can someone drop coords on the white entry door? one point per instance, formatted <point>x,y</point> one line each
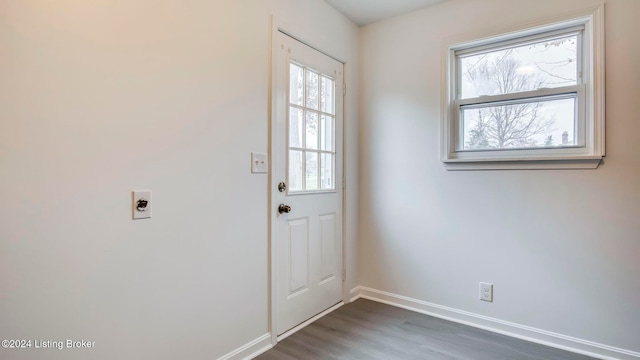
<point>307,180</point>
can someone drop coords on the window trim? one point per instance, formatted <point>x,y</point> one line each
<point>589,151</point>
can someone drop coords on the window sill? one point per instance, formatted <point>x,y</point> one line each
<point>582,162</point>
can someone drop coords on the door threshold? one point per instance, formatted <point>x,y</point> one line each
<point>296,328</point>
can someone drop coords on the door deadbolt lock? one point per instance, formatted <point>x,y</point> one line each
<point>141,205</point>
<point>284,209</point>
<point>282,187</point>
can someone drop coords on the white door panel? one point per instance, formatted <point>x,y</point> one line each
<point>298,256</point>
<point>328,247</point>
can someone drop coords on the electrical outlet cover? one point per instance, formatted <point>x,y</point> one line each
<point>486,292</point>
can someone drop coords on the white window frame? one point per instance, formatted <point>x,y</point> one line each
<point>589,94</point>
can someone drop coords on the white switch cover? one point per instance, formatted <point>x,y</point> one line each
<point>259,163</point>
<point>141,204</point>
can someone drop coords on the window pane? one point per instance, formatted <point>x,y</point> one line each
<point>312,130</point>
<point>312,90</point>
<point>296,84</point>
<point>326,133</point>
<point>327,95</point>
<point>295,170</point>
<point>326,172</point>
<point>295,127</point>
<point>519,125</point>
<point>545,64</point>
<point>312,171</point>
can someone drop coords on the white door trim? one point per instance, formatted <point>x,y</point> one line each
<point>277,26</point>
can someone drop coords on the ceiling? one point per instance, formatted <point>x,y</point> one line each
<point>364,12</point>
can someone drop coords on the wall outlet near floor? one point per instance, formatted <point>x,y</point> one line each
<point>486,292</point>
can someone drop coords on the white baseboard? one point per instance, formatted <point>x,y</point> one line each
<point>523,332</point>
<point>250,350</point>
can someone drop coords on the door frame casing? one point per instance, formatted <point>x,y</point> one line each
<point>277,26</point>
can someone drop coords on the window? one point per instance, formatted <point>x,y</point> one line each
<point>311,149</point>
<point>527,99</point>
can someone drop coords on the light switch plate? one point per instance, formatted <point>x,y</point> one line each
<point>138,198</point>
<point>259,163</point>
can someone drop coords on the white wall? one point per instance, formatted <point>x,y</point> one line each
<point>98,98</point>
<point>560,247</point>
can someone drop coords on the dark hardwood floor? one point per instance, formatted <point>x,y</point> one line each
<point>366,329</point>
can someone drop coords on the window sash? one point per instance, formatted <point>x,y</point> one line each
<point>578,92</point>
<point>495,46</point>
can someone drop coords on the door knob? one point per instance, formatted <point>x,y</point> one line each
<point>284,209</point>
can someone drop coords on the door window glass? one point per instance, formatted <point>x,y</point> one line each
<point>311,127</point>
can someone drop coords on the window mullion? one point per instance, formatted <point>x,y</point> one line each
<point>304,129</point>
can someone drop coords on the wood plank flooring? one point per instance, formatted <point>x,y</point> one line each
<point>369,330</point>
